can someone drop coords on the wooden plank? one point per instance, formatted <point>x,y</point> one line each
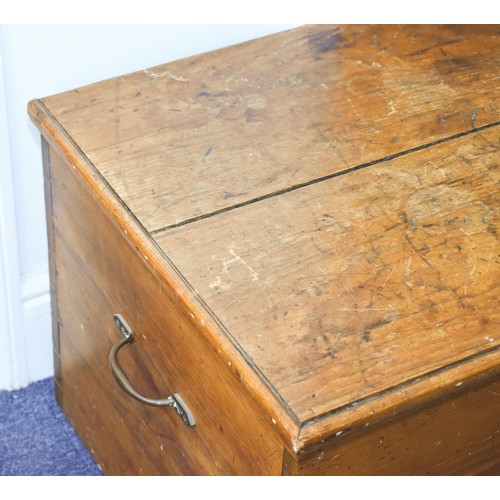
<point>172,352</point>
<point>454,436</point>
<point>208,132</point>
<point>52,265</point>
<point>133,231</point>
<point>345,289</point>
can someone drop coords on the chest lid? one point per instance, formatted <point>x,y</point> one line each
<point>329,193</point>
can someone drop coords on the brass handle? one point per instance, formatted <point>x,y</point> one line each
<point>121,379</point>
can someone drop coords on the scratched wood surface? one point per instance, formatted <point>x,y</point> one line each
<point>323,206</point>
<point>190,137</point>
<point>454,436</point>
<point>170,354</point>
<point>344,289</point>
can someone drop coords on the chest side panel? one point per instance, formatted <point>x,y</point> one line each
<point>457,436</point>
<point>99,273</point>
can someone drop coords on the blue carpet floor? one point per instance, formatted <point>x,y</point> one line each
<point>36,439</point>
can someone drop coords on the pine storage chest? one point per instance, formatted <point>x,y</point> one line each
<point>282,257</point>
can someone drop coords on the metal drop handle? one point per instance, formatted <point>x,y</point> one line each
<point>121,379</point>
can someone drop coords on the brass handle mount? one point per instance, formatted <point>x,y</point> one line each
<point>173,400</point>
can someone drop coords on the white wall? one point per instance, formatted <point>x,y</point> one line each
<point>10,292</point>
<point>36,61</point>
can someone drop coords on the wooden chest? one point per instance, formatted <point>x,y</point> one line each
<point>301,233</point>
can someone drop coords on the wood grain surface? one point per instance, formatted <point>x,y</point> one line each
<point>303,231</point>
<point>170,354</point>
<point>347,288</point>
<point>194,136</point>
<point>458,435</point>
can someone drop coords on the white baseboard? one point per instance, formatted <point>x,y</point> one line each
<point>37,325</point>
<point>26,342</point>
<point>35,284</point>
